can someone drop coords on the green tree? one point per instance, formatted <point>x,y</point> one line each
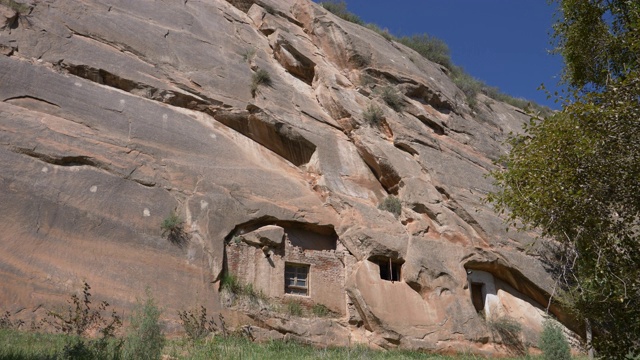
<point>553,344</point>
<point>575,175</point>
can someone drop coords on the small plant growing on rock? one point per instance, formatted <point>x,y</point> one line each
<point>260,77</point>
<point>294,308</point>
<point>18,7</point>
<point>392,98</point>
<point>320,310</point>
<point>553,344</point>
<point>391,204</point>
<point>507,330</point>
<point>173,228</point>
<point>248,54</point>
<point>373,115</point>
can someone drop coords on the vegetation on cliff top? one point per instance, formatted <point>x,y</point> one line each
<point>436,50</point>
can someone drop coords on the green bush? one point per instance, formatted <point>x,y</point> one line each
<point>553,344</point>
<point>391,204</point>
<point>430,48</point>
<point>339,8</point>
<point>392,97</point>
<point>373,115</point>
<point>145,339</point>
<point>260,77</point>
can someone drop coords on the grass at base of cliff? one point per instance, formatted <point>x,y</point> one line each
<point>20,345</point>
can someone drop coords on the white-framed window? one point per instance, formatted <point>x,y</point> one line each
<point>296,279</point>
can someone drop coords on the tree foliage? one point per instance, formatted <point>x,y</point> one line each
<point>576,174</point>
<point>599,39</point>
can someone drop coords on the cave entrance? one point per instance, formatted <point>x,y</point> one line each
<point>477,297</point>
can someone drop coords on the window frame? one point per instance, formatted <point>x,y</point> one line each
<point>297,270</point>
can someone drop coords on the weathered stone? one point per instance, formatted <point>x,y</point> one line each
<point>269,235</point>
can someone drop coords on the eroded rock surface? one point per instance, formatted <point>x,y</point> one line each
<point>114,114</point>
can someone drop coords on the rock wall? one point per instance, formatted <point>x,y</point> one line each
<point>116,113</point>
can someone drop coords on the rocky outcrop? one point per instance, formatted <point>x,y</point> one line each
<point>114,114</point>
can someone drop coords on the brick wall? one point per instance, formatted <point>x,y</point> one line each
<point>326,268</point>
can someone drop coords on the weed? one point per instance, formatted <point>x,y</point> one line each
<point>392,98</point>
<point>294,308</point>
<point>248,54</point>
<point>7,323</point>
<point>196,324</point>
<point>79,317</point>
<point>145,339</point>
<point>173,228</point>
<point>260,77</point>
<point>553,344</point>
<point>373,115</point>
<point>231,283</point>
<point>391,204</point>
<point>246,291</point>
<point>320,310</point>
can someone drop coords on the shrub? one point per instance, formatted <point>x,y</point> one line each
<point>430,48</point>
<point>196,324</point>
<point>339,8</point>
<point>79,317</point>
<point>260,77</point>
<point>373,115</point>
<point>18,7</point>
<point>508,331</point>
<point>553,344</point>
<point>391,204</point>
<point>173,228</point>
<point>382,32</point>
<point>392,98</point>
<point>469,85</point>
<point>145,339</point>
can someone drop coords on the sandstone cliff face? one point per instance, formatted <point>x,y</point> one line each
<point>115,113</point>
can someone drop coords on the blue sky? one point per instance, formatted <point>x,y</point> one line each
<point>504,43</point>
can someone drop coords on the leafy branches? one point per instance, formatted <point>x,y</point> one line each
<point>574,177</point>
